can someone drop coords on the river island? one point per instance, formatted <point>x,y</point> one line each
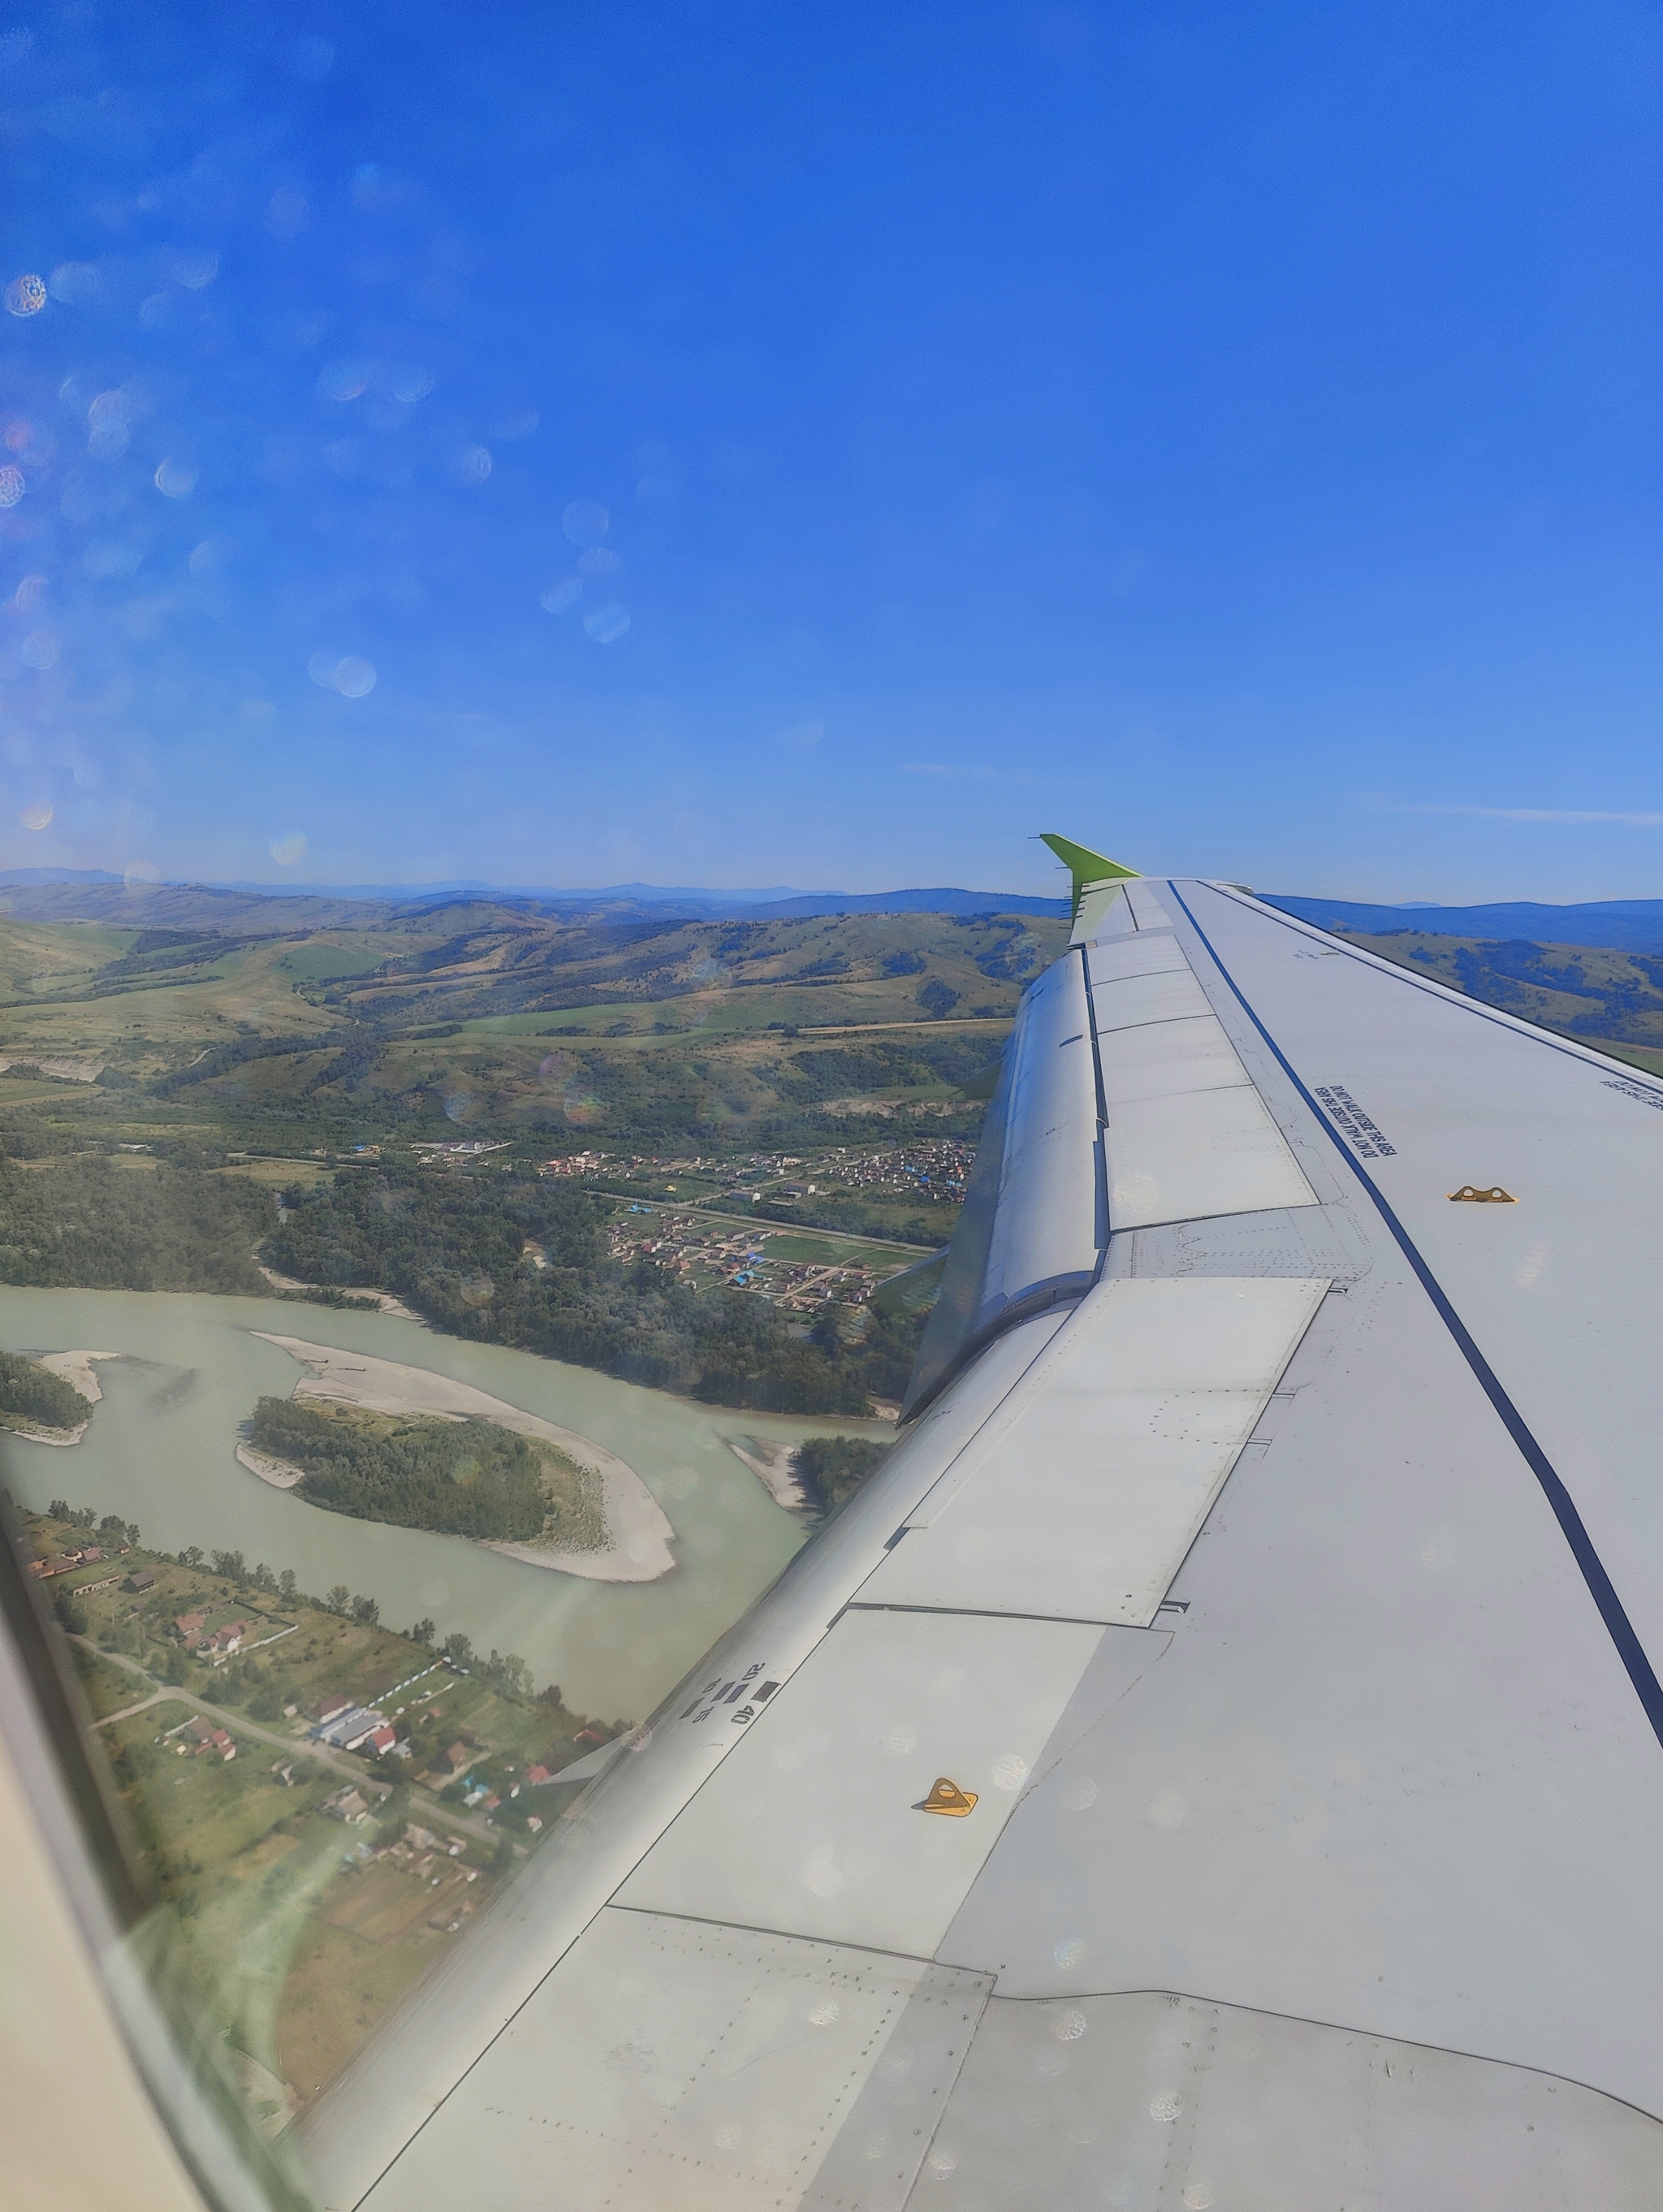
<point>601,1521</point>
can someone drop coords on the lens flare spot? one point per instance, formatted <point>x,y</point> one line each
<point>309,61</point>
<point>74,283</point>
<point>26,295</point>
<point>111,557</point>
<point>1069,1952</point>
<point>560,598</point>
<point>585,522</point>
<point>195,270</point>
<point>289,849</point>
<point>40,648</point>
<point>287,213</point>
<point>607,624</point>
<point>38,817</point>
<point>582,1108</point>
<point>342,381</point>
<point>1011,1772</point>
<point>11,486</point>
<point>175,479</point>
<point>469,465</point>
<point>354,679</point>
<point>139,872</point>
<point>599,561</point>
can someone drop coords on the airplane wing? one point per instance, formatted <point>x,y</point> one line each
<point>1216,1762</point>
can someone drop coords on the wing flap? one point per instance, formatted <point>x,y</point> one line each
<point>811,1823</point>
<point>1088,1495</point>
<point>1180,1158</point>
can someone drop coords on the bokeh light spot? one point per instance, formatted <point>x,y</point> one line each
<point>288,850</point>
<point>40,648</point>
<point>608,623</point>
<point>74,283</point>
<point>195,270</point>
<point>37,817</point>
<point>354,679</point>
<point>287,213</point>
<point>585,522</point>
<point>560,598</point>
<point>600,561</point>
<point>344,380</point>
<point>175,479</point>
<point>309,61</point>
<point>469,465</point>
<point>11,485</point>
<point>26,295</point>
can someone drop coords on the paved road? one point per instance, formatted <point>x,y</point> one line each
<point>350,1770</point>
<point>757,1223</point>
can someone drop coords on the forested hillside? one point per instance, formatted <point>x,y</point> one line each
<point>456,1248</point>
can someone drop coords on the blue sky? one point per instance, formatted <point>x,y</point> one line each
<point>751,444</point>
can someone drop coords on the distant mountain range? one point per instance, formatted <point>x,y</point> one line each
<point>1616,925</point>
<point>1619,925</point>
<point>55,887</point>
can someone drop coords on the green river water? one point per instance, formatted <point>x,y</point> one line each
<point>161,1451</point>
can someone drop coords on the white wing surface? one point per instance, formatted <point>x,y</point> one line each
<point>1273,1554</point>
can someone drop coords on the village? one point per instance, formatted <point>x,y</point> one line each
<point>380,1786</point>
<point>681,1215</point>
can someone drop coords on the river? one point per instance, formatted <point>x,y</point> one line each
<point>161,1450</point>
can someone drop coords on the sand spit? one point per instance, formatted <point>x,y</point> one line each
<point>383,1299</point>
<point>75,1369</point>
<point>639,1534</point>
<point>771,1463</point>
<point>277,1472</point>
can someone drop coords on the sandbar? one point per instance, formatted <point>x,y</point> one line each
<point>75,1367</point>
<point>770,1462</point>
<point>281,1474</point>
<point>388,1302</point>
<point>639,1533</point>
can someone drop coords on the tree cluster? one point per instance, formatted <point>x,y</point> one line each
<point>35,1394</point>
<point>457,1478</point>
<point>83,1222</point>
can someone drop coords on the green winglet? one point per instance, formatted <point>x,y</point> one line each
<point>1084,866</point>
